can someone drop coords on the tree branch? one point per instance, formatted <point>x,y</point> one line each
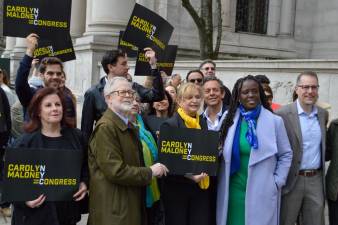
<point>219,28</point>
<point>194,15</point>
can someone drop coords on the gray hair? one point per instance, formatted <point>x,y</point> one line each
<point>112,85</point>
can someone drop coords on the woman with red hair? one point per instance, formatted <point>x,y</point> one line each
<point>48,129</point>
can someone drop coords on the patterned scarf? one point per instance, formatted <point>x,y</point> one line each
<point>194,123</point>
<point>251,118</point>
<point>251,135</point>
<point>150,154</point>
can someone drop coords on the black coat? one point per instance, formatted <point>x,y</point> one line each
<point>94,104</point>
<point>5,119</point>
<point>47,213</point>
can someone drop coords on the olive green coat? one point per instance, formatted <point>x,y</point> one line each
<point>117,175</point>
<point>332,154</point>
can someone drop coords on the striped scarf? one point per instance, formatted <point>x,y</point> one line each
<point>150,155</point>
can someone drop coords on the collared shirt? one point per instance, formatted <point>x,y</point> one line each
<point>312,138</point>
<point>213,125</point>
<point>123,118</point>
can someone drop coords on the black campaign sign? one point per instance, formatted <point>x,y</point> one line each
<point>31,172</point>
<point>147,29</point>
<point>47,18</point>
<point>61,48</point>
<point>166,61</point>
<point>130,49</point>
<point>188,151</point>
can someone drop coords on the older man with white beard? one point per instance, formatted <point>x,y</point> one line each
<point>118,175</point>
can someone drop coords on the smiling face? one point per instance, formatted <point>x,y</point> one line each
<point>213,95</point>
<point>51,110</point>
<point>121,99</point>
<point>307,90</point>
<point>249,94</point>
<point>161,106</point>
<point>52,76</point>
<point>191,101</point>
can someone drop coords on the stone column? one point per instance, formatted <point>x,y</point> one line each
<point>286,18</point>
<point>10,43</point>
<point>78,18</point>
<point>226,16</point>
<point>16,55</point>
<point>107,17</point>
<point>274,17</point>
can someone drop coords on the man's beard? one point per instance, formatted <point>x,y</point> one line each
<point>122,107</point>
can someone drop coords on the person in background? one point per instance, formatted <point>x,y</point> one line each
<point>208,68</point>
<point>332,172</point>
<point>187,199</point>
<point>49,129</point>
<point>68,92</point>
<point>265,81</point>
<point>269,97</point>
<point>175,80</point>
<point>195,76</point>
<point>118,172</point>
<point>5,133</point>
<point>4,84</point>
<point>255,159</point>
<point>158,113</point>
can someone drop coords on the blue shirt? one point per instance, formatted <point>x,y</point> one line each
<point>312,138</point>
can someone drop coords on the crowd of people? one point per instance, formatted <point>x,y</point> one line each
<point>271,164</point>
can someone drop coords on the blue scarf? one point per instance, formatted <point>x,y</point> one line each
<point>251,135</point>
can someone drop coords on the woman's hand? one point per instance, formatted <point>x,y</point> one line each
<point>81,193</point>
<point>197,178</point>
<point>159,170</point>
<point>36,202</point>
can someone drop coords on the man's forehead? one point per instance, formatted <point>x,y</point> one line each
<point>308,79</point>
<point>212,84</point>
<point>208,65</point>
<point>53,67</point>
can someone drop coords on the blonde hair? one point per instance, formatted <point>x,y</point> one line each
<point>186,89</point>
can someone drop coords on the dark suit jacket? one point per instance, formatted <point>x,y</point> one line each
<point>289,113</point>
<point>332,154</point>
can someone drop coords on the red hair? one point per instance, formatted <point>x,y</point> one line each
<point>34,109</point>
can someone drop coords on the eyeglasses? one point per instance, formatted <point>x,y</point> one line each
<point>209,68</point>
<point>307,87</point>
<point>124,93</point>
<point>198,80</point>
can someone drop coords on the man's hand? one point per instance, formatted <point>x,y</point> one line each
<point>32,44</point>
<point>151,56</point>
<point>159,170</point>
